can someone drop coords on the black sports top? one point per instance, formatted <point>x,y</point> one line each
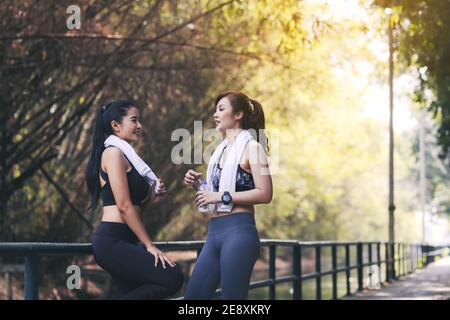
<point>138,187</point>
<point>244,180</point>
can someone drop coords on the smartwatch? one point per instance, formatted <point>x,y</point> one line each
<point>226,198</point>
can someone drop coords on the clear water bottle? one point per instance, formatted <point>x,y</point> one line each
<point>203,186</point>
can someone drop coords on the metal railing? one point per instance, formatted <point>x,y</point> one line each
<point>406,259</point>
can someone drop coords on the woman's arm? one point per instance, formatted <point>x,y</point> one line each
<point>261,176</point>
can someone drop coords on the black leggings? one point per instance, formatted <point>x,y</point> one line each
<point>132,267</point>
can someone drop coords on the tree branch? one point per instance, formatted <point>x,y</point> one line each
<point>65,197</point>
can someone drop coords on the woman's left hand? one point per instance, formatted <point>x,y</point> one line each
<point>204,197</point>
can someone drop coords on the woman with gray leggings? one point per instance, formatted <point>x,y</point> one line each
<point>232,244</point>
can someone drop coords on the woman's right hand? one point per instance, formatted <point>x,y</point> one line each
<point>159,256</point>
<point>191,177</point>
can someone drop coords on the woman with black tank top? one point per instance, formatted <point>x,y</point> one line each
<point>140,270</point>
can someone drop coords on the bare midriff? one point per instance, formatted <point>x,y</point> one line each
<point>112,214</point>
<point>249,209</point>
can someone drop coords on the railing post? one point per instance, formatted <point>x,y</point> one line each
<point>8,283</point>
<point>429,257</point>
<point>401,255</point>
<point>392,257</point>
<point>397,260</point>
<point>297,271</point>
<point>359,253</point>
<point>405,259</point>
<point>369,247</point>
<point>272,272</point>
<point>334,266</point>
<point>417,256</point>
<point>379,260</point>
<point>398,272</point>
<point>387,257</point>
<point>408,259</point>
<point>31,277</point>
<point>424,255</point>
<point>422,258</point>
<point>411,257</point>
<point>347,269</point>
<point>318,273</point>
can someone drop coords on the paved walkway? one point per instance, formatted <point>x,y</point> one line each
<point>431,283</point>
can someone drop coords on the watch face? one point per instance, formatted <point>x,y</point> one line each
<point>226,198</point>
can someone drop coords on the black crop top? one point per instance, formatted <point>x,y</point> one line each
<point>138,187</point>
<point>244,180</point>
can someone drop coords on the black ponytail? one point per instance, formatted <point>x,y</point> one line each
<point>101,130</point>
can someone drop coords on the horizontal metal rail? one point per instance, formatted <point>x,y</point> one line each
<point>407,257</point>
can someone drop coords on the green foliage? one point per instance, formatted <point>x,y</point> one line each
<point>299,59</point>
<point>425,43</point>
<point>332,177</point>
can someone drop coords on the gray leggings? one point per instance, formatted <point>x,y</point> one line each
<point>228,256</point>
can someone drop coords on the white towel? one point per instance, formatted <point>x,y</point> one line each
<point>142,168</point>
<point>229,170</point>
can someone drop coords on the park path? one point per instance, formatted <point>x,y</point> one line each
<point>431,283</point>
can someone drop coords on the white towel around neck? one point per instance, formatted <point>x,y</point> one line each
<point>229,170</point>
<point>142,168</point>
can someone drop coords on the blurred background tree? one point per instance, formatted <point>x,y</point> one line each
<point>170,57</point>
<point>319,68</point>
<point>424,43</point>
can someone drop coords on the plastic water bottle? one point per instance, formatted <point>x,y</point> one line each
<point>203,186</point>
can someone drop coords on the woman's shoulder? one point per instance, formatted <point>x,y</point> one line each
<point>112,152</point>
<point>254,146</point>
<point>254,153</point>
<point>252,143</point>
<point>113,155</point>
